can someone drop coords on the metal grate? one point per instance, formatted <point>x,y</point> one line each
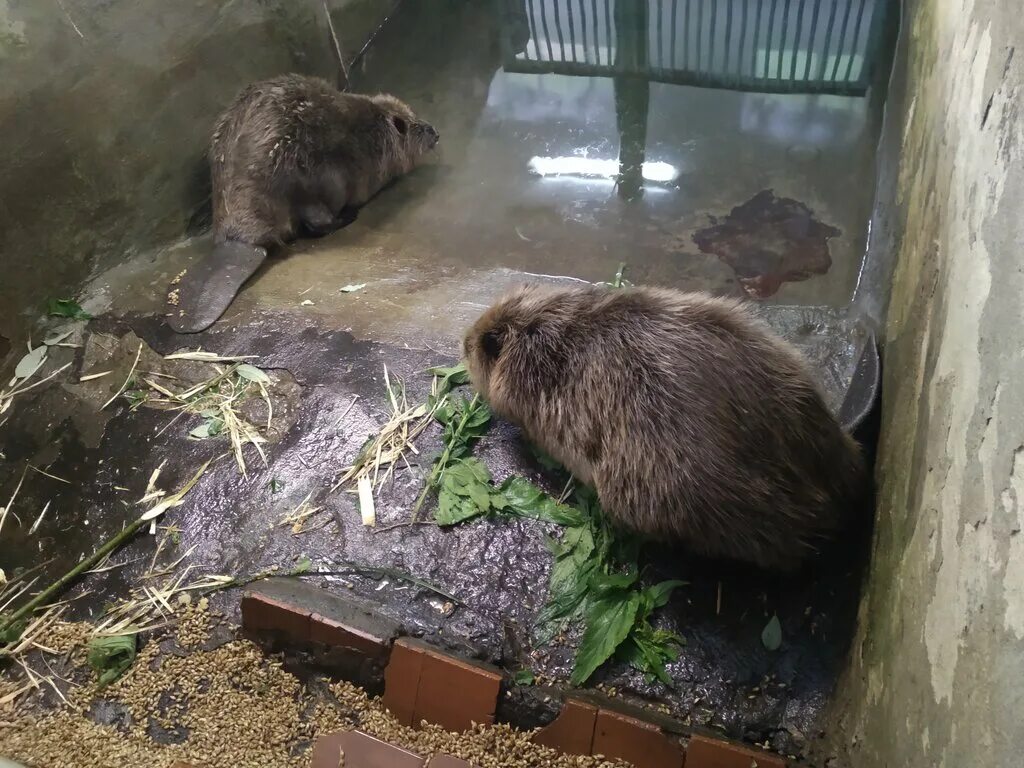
<point>777,46</point>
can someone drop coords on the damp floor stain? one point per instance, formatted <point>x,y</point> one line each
<point>768,241</point>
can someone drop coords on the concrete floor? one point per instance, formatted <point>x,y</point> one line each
<point>433,250</point>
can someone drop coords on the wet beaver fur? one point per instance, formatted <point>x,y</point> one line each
<point>690,419</point>
<point>292,155</point>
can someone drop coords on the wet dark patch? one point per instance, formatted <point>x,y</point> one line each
<point>769,241</point>
<point>5,347</point>
<point>111,713</point>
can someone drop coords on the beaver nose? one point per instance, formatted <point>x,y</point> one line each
<point>433,135</point>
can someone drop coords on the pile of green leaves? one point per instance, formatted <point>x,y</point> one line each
<point>595,577</point>
<point>457,481</point>
<point>110,656</point>
<point>467,492</point>
<point>66,308</point>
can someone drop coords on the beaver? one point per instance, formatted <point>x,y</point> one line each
<point>689,418</point>
<point>291,155</point>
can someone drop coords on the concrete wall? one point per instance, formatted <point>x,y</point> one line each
<point>937,669</point>
<point>105,110</point>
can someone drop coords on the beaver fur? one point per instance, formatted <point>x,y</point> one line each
<point>690,419</point>
<point>292,155</point>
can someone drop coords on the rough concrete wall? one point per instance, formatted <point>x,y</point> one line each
<point>937,671</point>
<point>105,110</point>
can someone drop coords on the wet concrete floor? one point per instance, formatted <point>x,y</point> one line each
<point>750,194</point>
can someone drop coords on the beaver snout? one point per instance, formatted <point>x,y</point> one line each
<point>430,135</point>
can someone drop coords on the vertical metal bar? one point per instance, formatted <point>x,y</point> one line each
<point>782,43</point>
<point>796,41</point>
<point>572,32</point>
<point>842,39</point>
<point>612,41</point>
<point>531,21</point>
<point>769,43</point>
<point>700,33</point>
<point>728,37</point>
<point>711,36</point>
<point>658,30</point>
<point>686,34</point>
<point>856,34</point>
<point>753,47</point>
<point>672,37</point>
<point>879,12</point>
<point>597,31</point>
<point>547,33</point>
<point>559,29</point>
<point>583,31</point>
<point>743,40</point>
<point>828,40</point>
<point>810,40</point>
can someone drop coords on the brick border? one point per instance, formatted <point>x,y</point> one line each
<point>419,682</point>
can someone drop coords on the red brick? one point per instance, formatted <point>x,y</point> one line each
<point>447,761</point>
<point>572,732</point>
<point>642,744</point>
<point>705,752</point>
<point>402,680</point>
<point>454,693</point>
<point>265,614</point>
<point>361,751</point>
<point>339,635</point>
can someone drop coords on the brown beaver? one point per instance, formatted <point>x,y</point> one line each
<point>291,155</point>
<point>689,418</point>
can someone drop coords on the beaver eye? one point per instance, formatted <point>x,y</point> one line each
<point>400,125</point>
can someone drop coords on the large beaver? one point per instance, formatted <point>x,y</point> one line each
<point>689,418</point>
<point>291,155</point>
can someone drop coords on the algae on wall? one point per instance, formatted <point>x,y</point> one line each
<point>105,111</point>
<point>936,675</point>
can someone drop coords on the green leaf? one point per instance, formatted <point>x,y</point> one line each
<point>302,565</point>
<point>609,583</point>
<point>452,508</point>
<point>659,594</point>
<point>566,596</point>
<point>453,376</point>
<point>649,650</point>
<point>579,540</point>
<point>275,485</point>
<point>524,677</point>
<point>609,621</point>
<point>12,633</point>
<point>369,444</point>
<point>527,500</point>
<point>209,428</point>
<point>109,657</point>
<point>66,308</point>
<point>771,635</point>
<point>473,469</point>
<point>252,373</point>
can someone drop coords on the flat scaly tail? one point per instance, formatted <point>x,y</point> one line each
<point>207,289</point>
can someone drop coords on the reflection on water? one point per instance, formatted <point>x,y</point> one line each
<point>579,133</point>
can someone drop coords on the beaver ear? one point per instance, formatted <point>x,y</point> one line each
<point>491,343</point>
<point>400,124</point>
